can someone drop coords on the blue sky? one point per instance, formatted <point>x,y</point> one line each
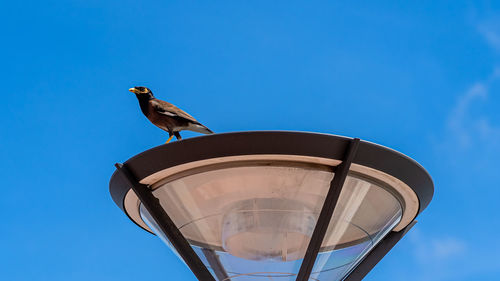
<point>421,77</point>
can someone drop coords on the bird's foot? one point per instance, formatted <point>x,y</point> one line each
<point>169,139</point>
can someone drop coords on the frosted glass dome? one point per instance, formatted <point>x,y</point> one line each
<point>253,221</point>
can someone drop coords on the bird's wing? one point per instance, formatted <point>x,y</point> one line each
<point>169,109</point>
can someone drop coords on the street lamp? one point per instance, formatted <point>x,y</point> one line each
<point>274,205</point>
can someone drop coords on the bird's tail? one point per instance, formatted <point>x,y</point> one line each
<point>200,129</point>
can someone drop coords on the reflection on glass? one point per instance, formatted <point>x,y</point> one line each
<point>254,222</point>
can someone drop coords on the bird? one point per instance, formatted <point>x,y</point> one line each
<point>166,116</point>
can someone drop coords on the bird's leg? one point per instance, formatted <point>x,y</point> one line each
<point>170,138</point>
<point>178,135</point>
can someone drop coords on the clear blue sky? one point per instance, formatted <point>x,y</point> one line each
<point>421,77</point>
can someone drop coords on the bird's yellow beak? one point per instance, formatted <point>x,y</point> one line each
<point>133,90</point>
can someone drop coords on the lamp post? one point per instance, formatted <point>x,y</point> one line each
<point>274,205</point>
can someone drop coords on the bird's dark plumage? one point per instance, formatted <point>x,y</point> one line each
<point>165,115</point>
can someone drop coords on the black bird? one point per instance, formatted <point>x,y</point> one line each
<point>165,115</point>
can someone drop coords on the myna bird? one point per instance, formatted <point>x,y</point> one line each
<point>165,115</point>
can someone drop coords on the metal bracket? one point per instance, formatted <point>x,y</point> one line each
<point>166,225</point>
<point>327,211</point>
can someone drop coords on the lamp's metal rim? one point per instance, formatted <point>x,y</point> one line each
<point>371,155</point>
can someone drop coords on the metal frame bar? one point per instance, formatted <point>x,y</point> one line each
<point>166,225</point>
<point>377,254</point>
<point>327,211</point>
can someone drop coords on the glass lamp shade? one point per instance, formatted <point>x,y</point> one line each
<point>254,220</point>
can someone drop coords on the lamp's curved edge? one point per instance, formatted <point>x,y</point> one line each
<point>118,189</point>
<point>274,142</point>
<point>400,166</point>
